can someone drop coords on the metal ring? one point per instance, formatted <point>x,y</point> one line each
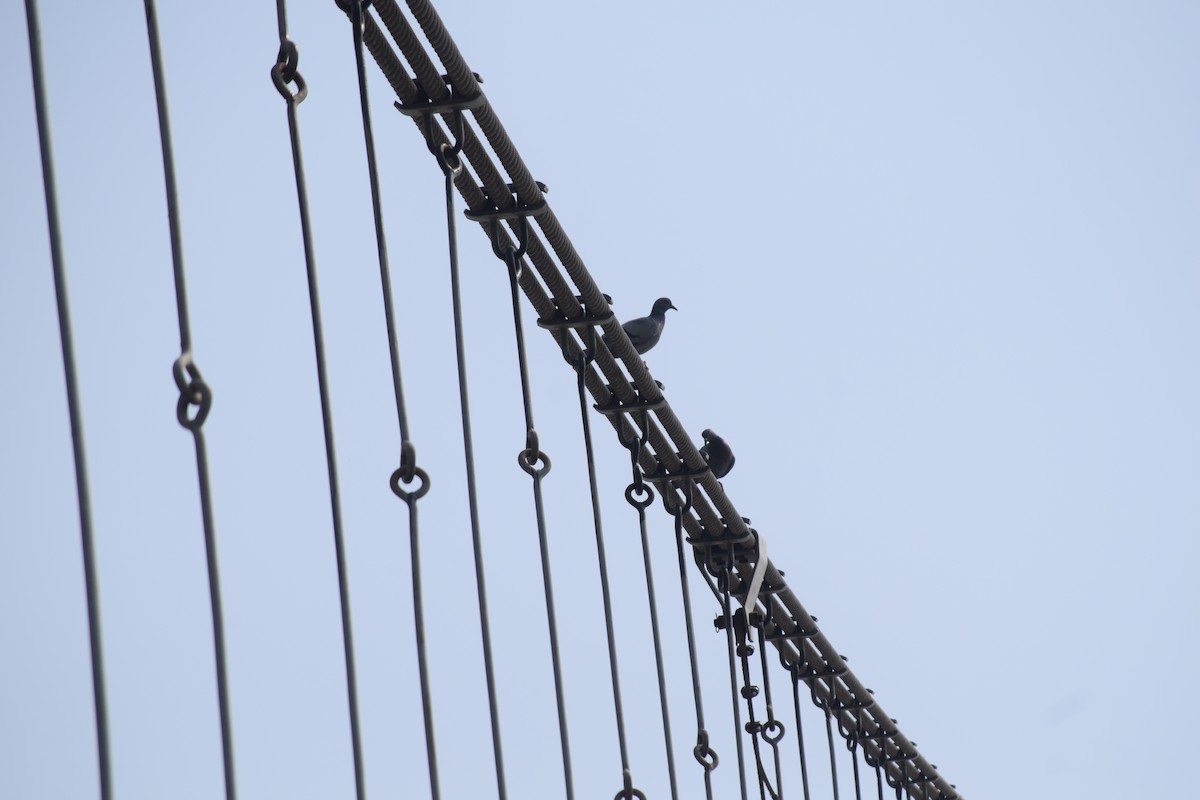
<point>199,395</point>
<point>772,725</point>
<point>284,72</point>
<point>450,161</point>
<point>528,460</point>
<point>633,489</point>
<point>404,494</point>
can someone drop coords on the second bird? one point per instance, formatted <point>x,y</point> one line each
<point>717,453</point>
<point>644,332</point>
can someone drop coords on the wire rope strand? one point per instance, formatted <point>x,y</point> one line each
<point>603,565</point>
<point>83,496</point>
<point>551,621</point>
<point>832,760</point>
<point>753,727</point>
<point>193,391</point>
<point>771,723</point>
<point>854,747</point>
<point>654,631</point>
<point>358,20</point>
<point>419,627</point>
<point>702,749</point>
<point>293,100</point>
<point>528,460</point>
<point>794,670</point>
<point>472,501</point>
<point>737,712</point>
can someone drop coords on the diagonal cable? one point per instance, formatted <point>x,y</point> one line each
<point>73,406</point>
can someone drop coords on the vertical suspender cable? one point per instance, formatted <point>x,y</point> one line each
<point>705,755</point>
<point>536,464</point>
<point>73,408</point>
<point>472,500</point>
<point>829,735</point>
<point>772,730</point>
<point>193,392</point>
<point>879,771</point>
<point>726,607</point>
<point>634,449</point>
<point>794,671</point>
<point>283,73</point>
<point>627,792</point>
<point>852,744</point>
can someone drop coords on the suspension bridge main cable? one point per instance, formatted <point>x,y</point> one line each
<point>75,414</point>
<point>193,393</point>
<point>619,375</point>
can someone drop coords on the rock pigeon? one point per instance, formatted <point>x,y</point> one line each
<point>644,332</point>
<point>717,453</point>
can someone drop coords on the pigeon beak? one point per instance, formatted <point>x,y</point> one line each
<point>673,307</point>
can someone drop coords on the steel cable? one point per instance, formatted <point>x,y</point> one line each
<point>794,671</point>
<point>749,692</point>
<point>772,730</point>
<point>635,489</point>
<point>713,515</point>
<point>410,498</point>
<point>407,469</point>
<point>537,464</point>
<point>193,392</point>
<point>472,499</point>
<point>628,791</point>
<point>852,746</point>
<point>74,410</point>
<point>703,753</point>
<point>832,760</point>
<point>727,619</point>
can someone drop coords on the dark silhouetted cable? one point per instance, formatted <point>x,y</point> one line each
<point>472,499</point>
<point>284,73</point>
<point>537,464</point>
<point>73,407</point>
<point>636,488</point>
<point>727,611</point>
<point>704,754</point>
<point>605,591</point>
<point>193,391</point>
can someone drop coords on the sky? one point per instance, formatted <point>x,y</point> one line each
<point>936,268</point>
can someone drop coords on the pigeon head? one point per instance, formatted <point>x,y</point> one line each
<point>707,433</point>
<point>661,305</point>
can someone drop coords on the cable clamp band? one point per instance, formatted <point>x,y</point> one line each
<point>455,103</point>
<point>519,212</point>
<point>662,475</point>
<point>640,404</point>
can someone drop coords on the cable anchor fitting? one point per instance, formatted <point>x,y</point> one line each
<point>284,72</point>
<point>703,753</point>
<point>193,391</point>
<point>628,792</point>
<point>532,455</point>
<point>519,212</point>
<point>447,153</point>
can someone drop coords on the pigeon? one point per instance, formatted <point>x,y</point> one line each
<point>644,332</point>
<point>717,453</point>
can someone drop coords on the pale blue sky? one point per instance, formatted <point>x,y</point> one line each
<point>937,268</point>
